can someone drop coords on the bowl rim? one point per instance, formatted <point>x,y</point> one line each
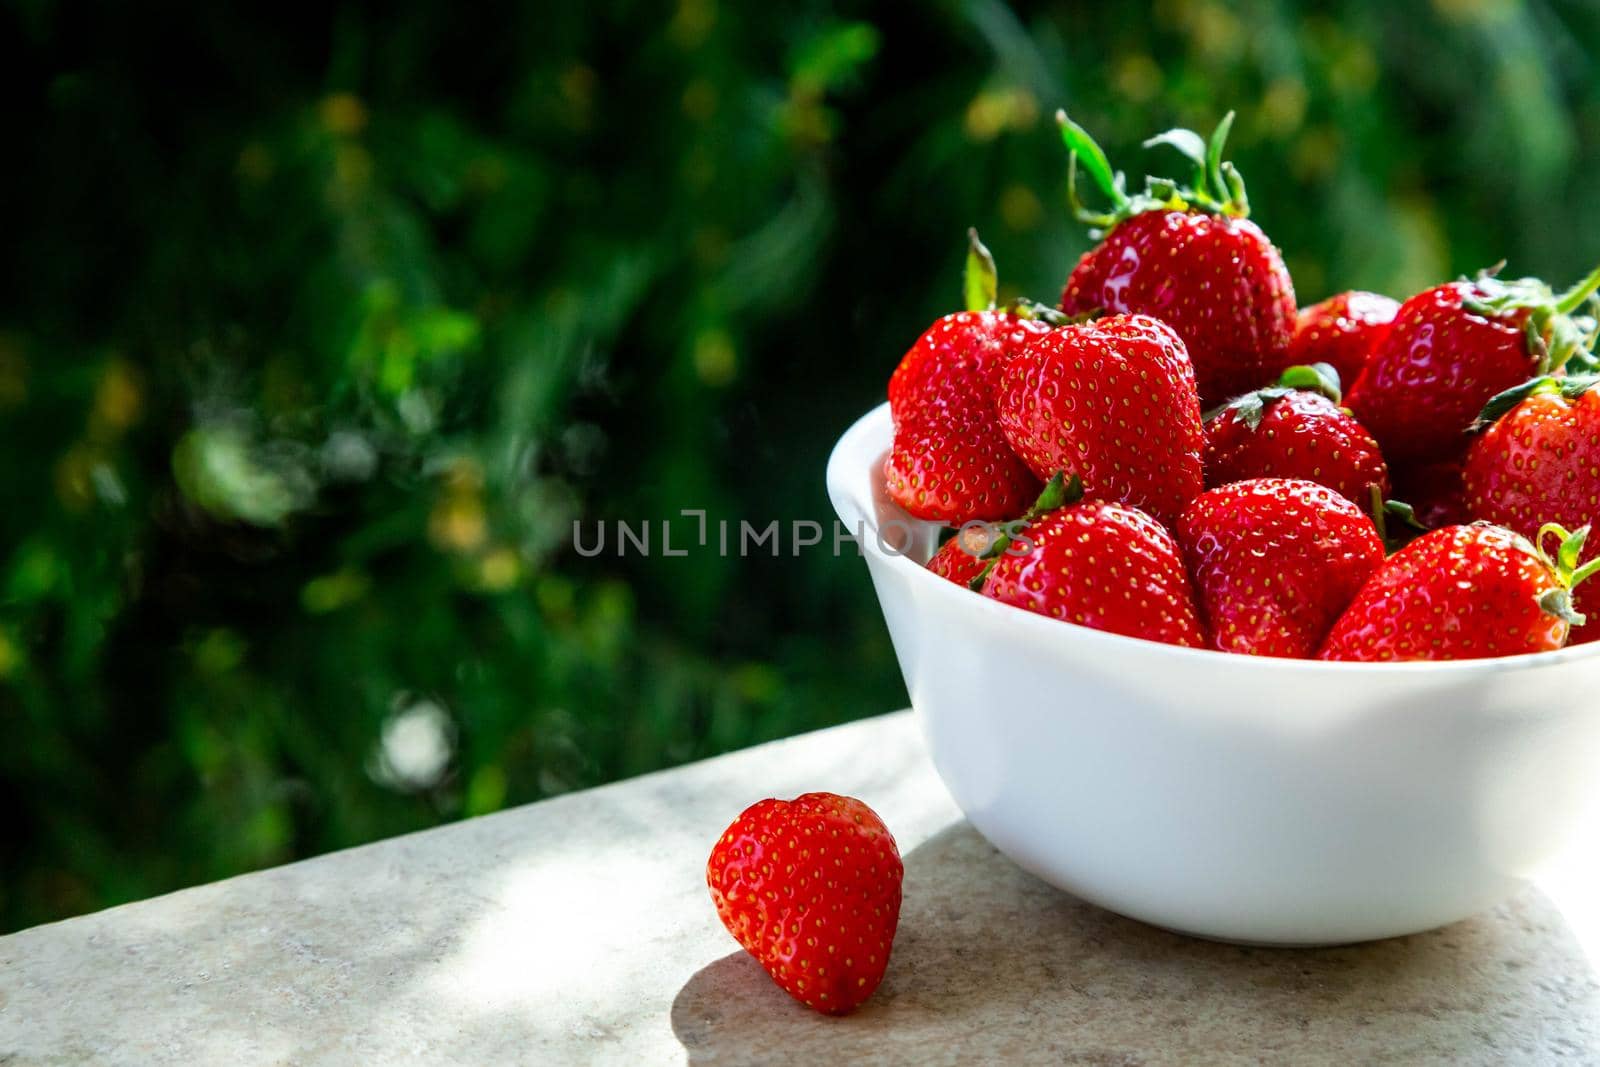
<point>855,456</point>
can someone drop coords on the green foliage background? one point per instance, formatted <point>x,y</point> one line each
<point>318,331</point>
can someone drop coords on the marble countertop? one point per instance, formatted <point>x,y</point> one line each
<point>579,930</point>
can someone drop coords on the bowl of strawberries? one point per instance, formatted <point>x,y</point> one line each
<point>1202,636</point>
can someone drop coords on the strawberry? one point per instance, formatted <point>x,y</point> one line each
<point>1341,331</point>
<point>1112,402</point>
<point>1188,256</point>
<point>961,559</point>
<point>1274,562</point>
<point>949,462</point>
<point>1453,347</point>
<point>950,465</point>
<point>811,888</point>
<point>1538,461</point>
<point>1102,565</point>
<point>1295,429</point>
<point>1463,592</point>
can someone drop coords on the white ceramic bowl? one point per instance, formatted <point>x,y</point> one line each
<point>1233,797</point>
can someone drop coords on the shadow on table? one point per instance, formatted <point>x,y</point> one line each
<point>999,966</point>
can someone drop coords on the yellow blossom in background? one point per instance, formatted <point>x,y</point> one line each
<point>342,114</point>
<point>499,570</point>
<point>994,111</point>
<point>1283,106</point>
<point>1020,207</point>
<point>118,401</point>
<point>1136,76</point>
<point>716,361</point>
<point>459,521</point>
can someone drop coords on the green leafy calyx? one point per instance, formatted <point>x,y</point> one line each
<point>1249,408</point>
<point>1570,386</point>
<point>1214,185</point>
<point>1058,492</point>
<point>1568,568</point>
<point>1557,336</point>
<point>981,285</point>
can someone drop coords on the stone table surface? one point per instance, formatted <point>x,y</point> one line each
<point>579,930</point>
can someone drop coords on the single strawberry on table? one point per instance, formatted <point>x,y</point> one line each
<point>1099,564</point>
<point>1295,429</point>
<point>949,462</point>
<point>811,888</point>
<point>1451,349</point>
<point>1465,592</point>
<point>1274,562</point>
<point>1538,460</point>
<point>1187,255</point>
<point>1111,402</point>
<point>1342,331</point>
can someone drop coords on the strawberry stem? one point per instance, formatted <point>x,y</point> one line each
<point>982,281</point>
<point>1564,565</point>
<point>1081,145</point>
<point>1058,492</point>
<point>1585,572</point>
<point>1219,137</point>
<point>1190,145</point>
<point>1573,298</point>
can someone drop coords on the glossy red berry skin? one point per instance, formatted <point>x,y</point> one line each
<point>949,462</point>
<point>1102,565</point>
<point>1113,402</point>
<point>1302,435</point>
<point>1434,370</point>
<point>811,888</point>
<point>1215,279</point>
<point>960,558</point>
<point>960,355</point>
<point>1461,592</point>
<point>1342,331</point>
<point>952,467</point>
<point>1274,562</point>
<point>1539,463</point>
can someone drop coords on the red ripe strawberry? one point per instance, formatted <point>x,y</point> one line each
<point>1188,256</point>
<point>1462,592</point>
<point>961,559</point>
<point>1452,348</point>
<point>1538,461</point>
<point>1113,403</point>
<point>811,888</point>
<point>952,465</point>
<point>1275,561</point>
<point>949,462</point>
<point>958,357</point>
<point>1103,565</point>
<point>1295,429</point>
<point>1342,331</point>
